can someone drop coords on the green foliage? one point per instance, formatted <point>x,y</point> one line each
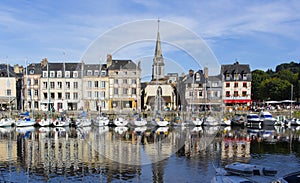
<point>257,77</point>
<point>292,66</point>
<point>296,114</point>
<point>274,89</point>
<point>276,85</point>
<point>286,74</point>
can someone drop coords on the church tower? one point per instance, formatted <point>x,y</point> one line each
<point>158,60</point>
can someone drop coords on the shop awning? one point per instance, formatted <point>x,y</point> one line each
<point>239,101</point>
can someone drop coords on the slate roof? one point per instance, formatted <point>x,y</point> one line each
<point>3,71</point>
<point>215,78</point>
<point>188,79</point>
<point>60,67</point>
<point>35,68</point>
<point>229,71</point>
<point>122,64</point>
<point>235,68</point>
<point>94,67</point>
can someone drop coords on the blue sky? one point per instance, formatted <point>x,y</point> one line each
<point>260,33</point>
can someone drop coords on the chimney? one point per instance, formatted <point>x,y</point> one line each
<point>205,72</point>
<point>44,62</point>
<point>191,72</point>
<point>17,69</point>
<point>109,60</point>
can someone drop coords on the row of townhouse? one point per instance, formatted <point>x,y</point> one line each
<point>114,85</point>
<point>230,90</point>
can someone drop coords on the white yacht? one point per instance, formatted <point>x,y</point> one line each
<point>101,120</point>
<point>253,120</point>
<point>61,122</point>
<point>4,122</point>
<point>44,122</point>
<point>25,120</point>
<point>244,173</point>
<point>196,121</point>
<point>83,120</point>
<point>159,121</point>
<point>267,118</point>
<point>120,121</point>
<point>138,121</point>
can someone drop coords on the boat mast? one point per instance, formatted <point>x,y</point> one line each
<point>8,86</point>
<point>100,83</point>
<point>48,91</point>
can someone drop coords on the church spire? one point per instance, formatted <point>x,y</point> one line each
<point>158,51</point>
<point>158,60</point>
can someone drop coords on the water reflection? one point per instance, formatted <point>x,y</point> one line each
<point>94,153</point>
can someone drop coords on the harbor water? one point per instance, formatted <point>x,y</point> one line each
<point>148,154</point>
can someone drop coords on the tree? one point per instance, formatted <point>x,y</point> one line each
<point>292,66</point>
<point>257,77</point>
<point>274,89</point>
<point>288,75</point>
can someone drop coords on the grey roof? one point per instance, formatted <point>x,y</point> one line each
<point>235,68</point>
<point>35,67</point>
<point>64,67</point>
<point>94,67</point>
<point>215,78</point>
<point>189,78</point>
<point>3,71</point>
<point>122,64</point>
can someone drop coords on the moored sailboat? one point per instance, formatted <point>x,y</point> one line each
<point>4,122</point>
<point>25,120</point>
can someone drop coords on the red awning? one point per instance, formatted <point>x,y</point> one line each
<point>241,101</point>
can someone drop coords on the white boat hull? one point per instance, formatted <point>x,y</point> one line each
<point>120,121</point>
<point>211,121</point>
<point>121,129</point>
<point>7,122</point>
<point>25,122</point>
<point>61,123</point>
<point>45,122</point>
<point>83,122</point>
<point>139,122</point>
<point>162,130</point>
<point>101,121</point>
<point>197,121</point>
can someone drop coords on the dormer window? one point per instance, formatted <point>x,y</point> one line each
<point>89,73</point>
<point>31,71</point>
<point>45,74</point>
<point>96,73</point>
<point>197,77</point>
<point>236,76</point>
<point>52,74</point>
<point>103,73</point>
<point>244,76</point>
<point>75,74</point>
<point>59,74</point>
<point>67,74</point>
<point>227,76</point>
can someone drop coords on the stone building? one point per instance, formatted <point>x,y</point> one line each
<point>61,86</point>
<point>191,88</point>
<point>124,85</point>
<point>96,87</point>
